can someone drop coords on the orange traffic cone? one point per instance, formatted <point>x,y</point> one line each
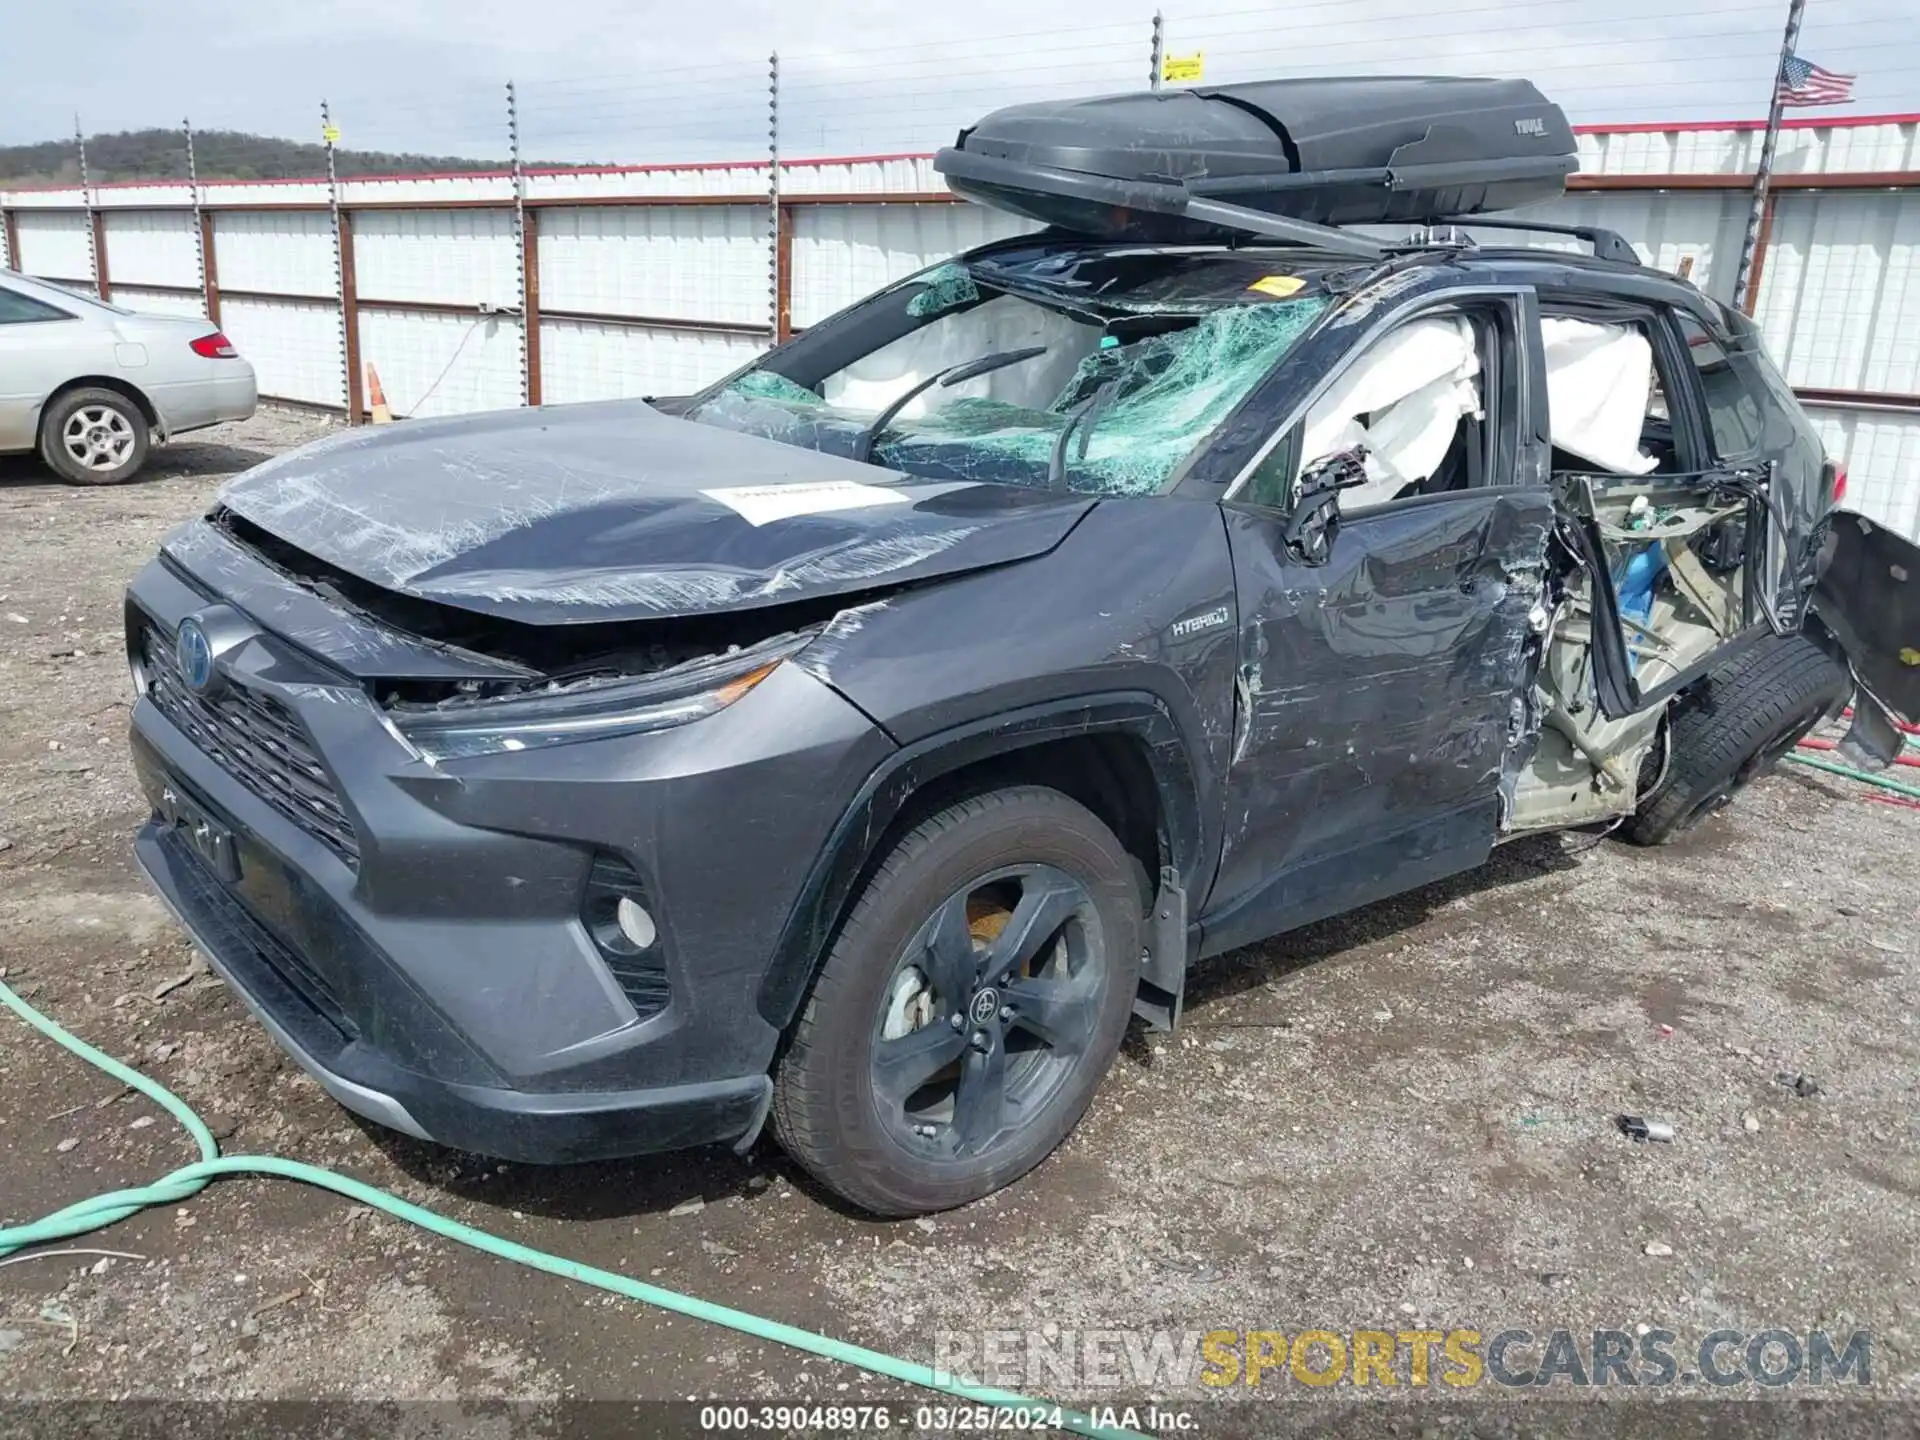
<point>377,410</point>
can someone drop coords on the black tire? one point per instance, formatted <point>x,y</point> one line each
<point>118,434</point>
<point>885,1147</point>
<point>1735,728</point>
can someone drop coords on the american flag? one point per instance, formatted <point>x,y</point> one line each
<point>1804,83</point>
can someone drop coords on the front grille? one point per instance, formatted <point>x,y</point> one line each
<point>257,740</point>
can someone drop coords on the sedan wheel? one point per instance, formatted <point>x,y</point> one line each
<point>94,437</point>
<point>98,438</point>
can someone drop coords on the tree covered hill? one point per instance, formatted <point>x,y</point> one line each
<point>219,154</point>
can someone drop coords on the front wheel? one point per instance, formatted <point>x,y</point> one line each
<point>94,437</point>
<point>969,1007</point>
<point>1735,728</point>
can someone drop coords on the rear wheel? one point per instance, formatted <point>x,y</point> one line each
<point>1735,728</point>
<point>969,1007</point>
<point>94,437</point>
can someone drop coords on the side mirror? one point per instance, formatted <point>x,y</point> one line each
<point>1314,518</point>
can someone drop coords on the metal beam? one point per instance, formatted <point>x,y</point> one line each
<point>350,320</point>
<point>783,262</point>
<point>1858,399</point>
<point>1755,259</point>
<point>660,322</point>
<point>530,303</point>
<point>102,276</point>
<point>210,267</point>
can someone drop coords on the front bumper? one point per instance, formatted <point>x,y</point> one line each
<point>437,976</point>
<point>510,1124</point>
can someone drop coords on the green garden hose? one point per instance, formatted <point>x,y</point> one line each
<point>1912,792</point>
<point>103,1210</point>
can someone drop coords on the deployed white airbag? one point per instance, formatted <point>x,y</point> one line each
<point>1002,323</point>
<point>1599,381</point>
<point>1403,400</point>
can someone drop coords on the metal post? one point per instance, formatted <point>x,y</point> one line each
<point>527,337</point>
<point>1159,49</point>
<point>342,263</point>
<point>774,276</point>
<point>199,223</point>
<point>93,220</point>
<point>1743,289</point>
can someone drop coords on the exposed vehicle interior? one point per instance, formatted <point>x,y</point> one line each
<point>1630,461</point>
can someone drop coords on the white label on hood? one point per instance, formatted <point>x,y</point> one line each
<point>759,504</point>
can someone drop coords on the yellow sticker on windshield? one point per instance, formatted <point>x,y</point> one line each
<point>1279,286</point>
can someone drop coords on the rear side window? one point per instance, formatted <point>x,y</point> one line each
<point>18,309</point>
<point>1733,410</point>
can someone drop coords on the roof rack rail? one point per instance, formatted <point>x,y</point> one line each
<point>1607,244</point>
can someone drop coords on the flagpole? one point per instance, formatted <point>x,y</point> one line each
<point>1763,176</point>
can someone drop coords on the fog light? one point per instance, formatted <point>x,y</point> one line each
<point>635,923</point>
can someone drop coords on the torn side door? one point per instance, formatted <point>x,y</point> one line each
<point>1867,594</point>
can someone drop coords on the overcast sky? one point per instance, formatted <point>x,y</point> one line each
<point>648,80</point>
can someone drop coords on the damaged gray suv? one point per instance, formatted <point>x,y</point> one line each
<point>861,743</point>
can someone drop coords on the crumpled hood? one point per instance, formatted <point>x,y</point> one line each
<point>615,511</point>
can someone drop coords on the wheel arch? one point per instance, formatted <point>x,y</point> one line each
<point>121,387</point>
<point>1120,754</point>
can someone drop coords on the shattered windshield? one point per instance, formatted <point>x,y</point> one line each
<point>1127,361</point>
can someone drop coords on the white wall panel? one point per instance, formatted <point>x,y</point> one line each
<point>432,364</point>
<point>152,247</point>
<point>54,245</point>
<point>1734,150</point>
<point>1881,453</point>
<point>285,252</point>
<point>1840,295</point>
<point>157,302</point>
<point>294,347</point>
<point>584,361</point>
<point>693,262</point>
<point>842,253</point>
<point>458,256</point>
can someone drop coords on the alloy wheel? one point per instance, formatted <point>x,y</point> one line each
<point>991,1008</point>
<point>98,437</point>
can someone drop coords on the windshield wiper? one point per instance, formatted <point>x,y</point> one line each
<point>1083,417</point>
<point>863,443</point>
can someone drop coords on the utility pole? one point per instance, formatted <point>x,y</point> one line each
<point>342,274</point>
<point>199,222</point>
<point>93,217</point>
<point>1159,50</point>
<point>527,339</point>
<point>776,278</point>
<point>1763,175</point>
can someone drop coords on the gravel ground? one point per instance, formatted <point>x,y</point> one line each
<point>1398,1120</point>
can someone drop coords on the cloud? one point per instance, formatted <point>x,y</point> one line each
<point>611,81</point>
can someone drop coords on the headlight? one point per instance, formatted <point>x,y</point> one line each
<point>592,709</point>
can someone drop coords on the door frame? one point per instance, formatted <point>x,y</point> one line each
<point>1617,690</point>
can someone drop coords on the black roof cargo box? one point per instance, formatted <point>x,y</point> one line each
<point>1177,165</point>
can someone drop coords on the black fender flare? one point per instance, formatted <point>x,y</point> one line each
<point>830,880</point>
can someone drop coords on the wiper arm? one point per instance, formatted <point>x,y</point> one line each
<point>1083,417</point>
<point>966,370</point>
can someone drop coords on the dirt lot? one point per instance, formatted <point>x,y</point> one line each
<point>1398,1120</point>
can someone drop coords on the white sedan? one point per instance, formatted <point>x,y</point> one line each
<point>91,386</point>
